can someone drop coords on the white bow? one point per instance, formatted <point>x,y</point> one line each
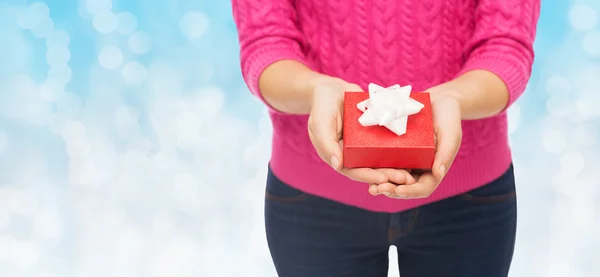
<point>389,107</point>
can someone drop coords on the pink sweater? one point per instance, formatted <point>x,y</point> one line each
<point>418,42</point>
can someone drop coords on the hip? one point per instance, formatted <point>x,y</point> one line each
<point>470,234</point>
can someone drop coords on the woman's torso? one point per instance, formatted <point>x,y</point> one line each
<point>419,43</point>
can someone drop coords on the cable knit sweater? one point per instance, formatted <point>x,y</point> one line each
<point>422,43</point>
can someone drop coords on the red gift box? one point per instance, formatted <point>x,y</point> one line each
<point>378,147</point>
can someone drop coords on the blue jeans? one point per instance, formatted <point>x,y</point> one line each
<point>469,235</point>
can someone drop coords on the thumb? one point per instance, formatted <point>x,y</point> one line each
<point>448,132</point>
<point>446,149</point>
<point>326,141</point>
<point>324,134</point>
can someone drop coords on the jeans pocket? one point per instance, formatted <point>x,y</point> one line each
<point>498,191</point>
<point>278,191</point>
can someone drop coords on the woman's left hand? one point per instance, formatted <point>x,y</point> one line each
<point>448,134</point>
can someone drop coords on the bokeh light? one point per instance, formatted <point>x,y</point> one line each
<point>110,57</point>
<point>194,24</point>
<point>139,42</point>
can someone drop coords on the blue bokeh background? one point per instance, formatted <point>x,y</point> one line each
<point>130,146</point>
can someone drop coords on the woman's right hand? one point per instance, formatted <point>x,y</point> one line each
<point>325,131</point>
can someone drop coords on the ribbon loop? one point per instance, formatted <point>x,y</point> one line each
<point>388,107</point>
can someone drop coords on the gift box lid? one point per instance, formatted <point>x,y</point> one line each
<point>419,130</point>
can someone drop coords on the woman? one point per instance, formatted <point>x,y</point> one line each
<point>322,219</point>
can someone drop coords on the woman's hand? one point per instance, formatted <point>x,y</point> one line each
<point>325,131</point>
<point>448,134</point>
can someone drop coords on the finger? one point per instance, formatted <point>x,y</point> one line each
<point>447,147</point>
<point>398,176</point>
<point>448,139</point>
<point>366,175</point>
<point>424,187</point>
<point>373,189</point>
<point>387,189</point>
<point>323,135</point>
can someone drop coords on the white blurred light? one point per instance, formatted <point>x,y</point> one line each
<point>514,117</point>
<point>186,193</point>
<point>265,126</point>
<point>56,124</point>
<point>257,154</point>
<point>211,100</point>
<point>51,89</point>
<point>44,30</point>
<point>38,112</point>
<point>3,141</point>
<point>69,104</point>
<point>163,223</point>
<point>73,131</point>
<point>194,24</point>
<point>5,214</point>
<point>558,85</point>
<point>589,78</point>
<point>166,162</point>
<point>188,130</point>
<point>78,149</point>
<point>126,122</point>
<point>139,42</point>
<point>561,180</point>
<point>188,121</point>
<point>58,38</point>
<point>23,254</point>
<point>165,80</point>
<point>127,23</point>
<point>34,16</point>
<point>46,274</point>
<point>584,212</point>
<point>591,43</point>
<point>572,162</point>
<point>558,267</point>
<point>587,104</point>
<point>141,144</point>
<point>97,6</point>
<point>61,73</point>
<point>553,140</point>
<point>22,202</point>
<point>206,71</point>
<point>23,85</point>
<point>585,135</point>
<point>134,72</point>
<point>110,57</point>
<point>582,17</point>
<point>558,105</point>
<point>129,246</point>
<point>105,22</point>
<point>586,110</point>
<point>81,172</point>
<point>57,56</point>
<point>48,225</point>
<point>178,257</point>
<point>165,130</point>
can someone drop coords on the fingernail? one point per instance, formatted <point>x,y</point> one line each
<point>334,162</point>
<point>400,195</point>
<point>442,171</point>
<point>386,193</point>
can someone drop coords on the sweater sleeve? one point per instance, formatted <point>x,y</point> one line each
<point>267,33</point>
<point>502,42</point>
